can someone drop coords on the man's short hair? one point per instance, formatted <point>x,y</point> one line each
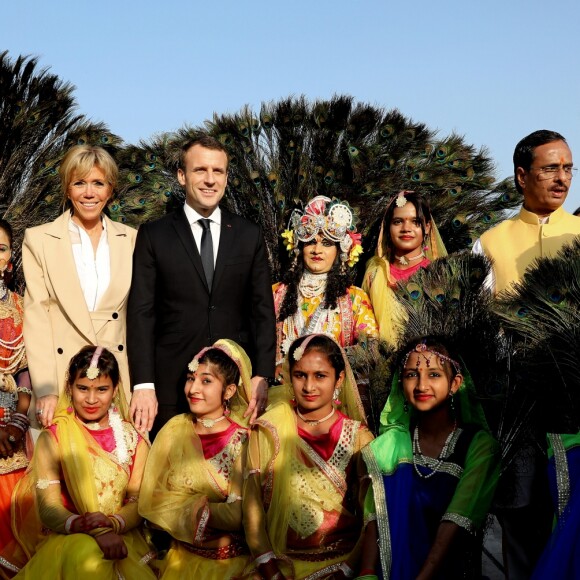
<point>524,151</point>
<point>203,141</point>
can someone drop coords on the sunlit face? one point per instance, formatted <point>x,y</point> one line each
<point>319,255</point>
<point>313,382</point>
<point>91,398</point>
<point>204,178</point>
<point>206,392</point>
<point>405,230</point>
<point>427,387</point>
<point>5,250</point>
<point>89,195</point>
<point>545,192</point>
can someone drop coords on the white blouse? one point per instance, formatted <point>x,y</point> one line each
<point>94,270</point>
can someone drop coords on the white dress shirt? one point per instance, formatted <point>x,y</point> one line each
<point>197,229</point>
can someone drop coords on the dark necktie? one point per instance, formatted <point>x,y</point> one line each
<point>207,251</point>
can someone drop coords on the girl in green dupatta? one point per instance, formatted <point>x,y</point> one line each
<point>434,470</point>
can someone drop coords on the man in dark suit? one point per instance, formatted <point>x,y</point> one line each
<point>199,274</point>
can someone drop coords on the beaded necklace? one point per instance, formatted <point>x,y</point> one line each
<point>417,453</point>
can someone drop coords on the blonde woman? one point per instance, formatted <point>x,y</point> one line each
<point>78,273</point>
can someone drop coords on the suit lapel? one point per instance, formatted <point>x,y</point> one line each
<point>64,278</point>
<point>120,250</point>
<point>227,241</point>
<point>186,236</point>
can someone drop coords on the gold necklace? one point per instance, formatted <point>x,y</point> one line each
<point>209,423</point>
<point>404,261</point>
<point>315,421</point>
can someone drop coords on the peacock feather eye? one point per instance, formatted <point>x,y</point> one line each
<point>454,191</point>
<point>506,197</point>
<point>429,148</point>
<point>255,125</point>
<point>273,178</point>
<point>389,164</point>
<point>468,173</point>
<point>255,177</point>
<point>266,121</point>
<point>329,177</point>
<point>114,207</point>
<point>556,295</point>
<point>151,157</point>
<point>488,218</point>
<point>442,153</point>
<point>244,129</point>
<point>81,141</point>
<point>457,222</point>
<point>149,167</point>
<point>134,177</point>
<point>236,182</point>
<point>225,139</point>
<point>455,163</point>
<point>414,291</point>
<point>418,176</point>
<point>301,175</point>
<point>353,151</point>
<point>104,139</point>
<point>291,147</point>
<point>409,133</point>
<point>387,131</point>
<point>522,312</point>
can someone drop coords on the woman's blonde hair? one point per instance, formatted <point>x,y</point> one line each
<point>80,159</point>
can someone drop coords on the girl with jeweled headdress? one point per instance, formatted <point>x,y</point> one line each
<point>315,294</point>
<point>305,479</point>
<point>434,470</point>
<point>192,486</point>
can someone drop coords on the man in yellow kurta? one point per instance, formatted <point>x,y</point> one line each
<point>543,173</point>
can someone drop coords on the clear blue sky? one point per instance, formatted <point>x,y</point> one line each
<point>492,70</point>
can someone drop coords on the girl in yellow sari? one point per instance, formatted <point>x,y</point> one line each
<point>305,480</point>
<point>84,483</point>
<point>408,240</point>
<point>192,487</point>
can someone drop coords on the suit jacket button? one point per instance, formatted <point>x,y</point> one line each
<point>115,315</point>
<point>212,308</point>
<point>120,347</point>
<point>59,350</point>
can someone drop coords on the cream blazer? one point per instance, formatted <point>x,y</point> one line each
<point>57,322</point>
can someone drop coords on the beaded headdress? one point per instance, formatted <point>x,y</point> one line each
<point>427,353</point>
<point>332,219</point>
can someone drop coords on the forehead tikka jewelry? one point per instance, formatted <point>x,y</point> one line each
<point>93,371</point>
<point>427,354</point>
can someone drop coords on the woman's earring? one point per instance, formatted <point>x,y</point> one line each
<point>426,243</point>
<point>406,406</point>
<point>335,398</point>
<point>452,403</point>
<point>227,409</point>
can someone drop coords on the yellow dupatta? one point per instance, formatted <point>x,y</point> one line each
<point>282,444</point>
<point>179,482</point>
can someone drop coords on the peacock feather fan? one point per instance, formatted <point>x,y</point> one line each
<point>542,315</point>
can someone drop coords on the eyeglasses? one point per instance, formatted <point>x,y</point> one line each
<point>551,171</point>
